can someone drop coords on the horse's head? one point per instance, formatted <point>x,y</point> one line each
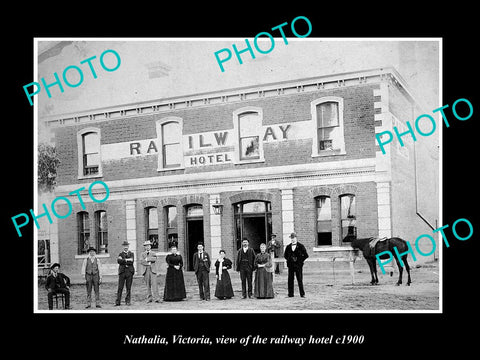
<point>359,243</point>
<point>355,243</point>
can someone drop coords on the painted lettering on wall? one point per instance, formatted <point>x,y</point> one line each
<point>208,159</point>
<point>206,143</point>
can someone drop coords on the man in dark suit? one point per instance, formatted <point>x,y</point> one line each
<point>57,283</point>
<point>245,264</point>
<point>201,266</point>
<point>125,273</point>
<point>295,254</point>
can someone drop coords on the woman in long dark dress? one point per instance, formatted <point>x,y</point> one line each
<point>263,287</point>
<point>174,283</point>
<point>224,289</point>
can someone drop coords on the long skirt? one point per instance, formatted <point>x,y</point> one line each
<point>174,285</point>
<point>224,286</point>
<point>263,288</point>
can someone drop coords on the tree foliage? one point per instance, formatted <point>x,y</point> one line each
<point>47,167</point>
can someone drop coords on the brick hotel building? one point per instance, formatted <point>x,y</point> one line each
<point>216,167</point>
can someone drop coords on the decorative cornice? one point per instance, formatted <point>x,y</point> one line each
<point>198,185</point>
<point>229,96</point>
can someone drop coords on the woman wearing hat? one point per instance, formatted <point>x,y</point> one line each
<point>93,276</point>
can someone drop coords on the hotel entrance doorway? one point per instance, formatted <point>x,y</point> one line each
<point>253,220</point>
<point>194,232</point>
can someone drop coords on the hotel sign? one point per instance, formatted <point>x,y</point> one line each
<point>207,148</point>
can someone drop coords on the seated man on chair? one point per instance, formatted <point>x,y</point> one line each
<point>57,283</point>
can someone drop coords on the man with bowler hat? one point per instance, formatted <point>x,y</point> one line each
<point>125,273</point>
<point>93,276</point>
<point>57,283</point>
<point>245,265</point>
<point>148,262</point>
<point>295,254</point>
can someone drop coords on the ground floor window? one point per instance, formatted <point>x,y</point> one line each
<point>151,220</point>
<point>348,218</point>
<point>324,220</point>
<point>171,232</point>
<point>83,229</point>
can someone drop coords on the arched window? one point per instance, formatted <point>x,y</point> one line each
<point>89,155</point>
<point>248,127</point>
<point>169,132</point>
<point>324,220</point>
<point>171,230</point>
<point>348,218</point>
<point>327,115</point>
<point>249,140</point>
<point>151,222</point>
<point>83,231</point>
<point>101,229</point>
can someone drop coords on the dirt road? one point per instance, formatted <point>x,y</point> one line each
<point>323,292</point>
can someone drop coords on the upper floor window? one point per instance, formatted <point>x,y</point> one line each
<point>348,214</point>
<point>89,159</point>
<point>324,220</point>
<point>170,137</point>
<point>327,114</point>
<point>248,125</point>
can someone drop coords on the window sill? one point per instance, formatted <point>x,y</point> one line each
<point>241,162</point>
<point>170,169</point>
<point>96,176</point>
<point>84,256</point>
<point>332,248</point>
<point>329,153</point>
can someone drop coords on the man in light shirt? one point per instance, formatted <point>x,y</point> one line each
<point>91,267</point>
<point>150,273</point>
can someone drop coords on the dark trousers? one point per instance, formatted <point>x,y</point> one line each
<point>63,291</point>
<point>124,278</point>
<point>296,271</point>
<point>93,281</point>
<point>203,281</point>
<point>246,277</point>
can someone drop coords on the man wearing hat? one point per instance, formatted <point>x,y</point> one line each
<point>125,273</point>
<point>57,283</point>
<point>273,248</point>
<point>93,276</point>
<point>295,254</point>
<point>149,272</point>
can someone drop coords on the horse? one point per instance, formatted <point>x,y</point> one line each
<point>385,245</point>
